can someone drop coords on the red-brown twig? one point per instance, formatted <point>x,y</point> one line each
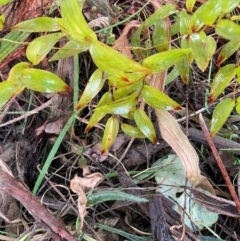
<point>37,210</point>
<point>219,161</point>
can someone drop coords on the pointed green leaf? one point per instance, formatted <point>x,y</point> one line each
<point>205,15</point>
<point>69,49</point>
<point>94,85</point>
<point>190,4</point>
<point>95,118</point>
<point>161,36</point>
<point>203,47</point>
<point>74,23</point>
<point>161,13</point>
<point>125,91</point>
<point>145,125</point>
<point>120,107</point>
<point>36,25</point>
<point>40,47</point>
<point>164,60</point>
<point>107,98</point>
<point>229,5</point>
<point>184,22</point>
<point>220,115</point>
<point>43,81</point>
<point>228,30</point>
<point>132,131</point>
<point>114,63</point>
<point>221,81</point>
<point>227,50</point>
<point>183,68</point>
<point>158,99</point>
<point>9,89</point>
<point>110,134</point>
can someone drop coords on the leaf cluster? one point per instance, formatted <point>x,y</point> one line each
<point>126,77</point>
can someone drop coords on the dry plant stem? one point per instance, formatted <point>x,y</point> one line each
<point>39,212</point>
<point>219,161</point>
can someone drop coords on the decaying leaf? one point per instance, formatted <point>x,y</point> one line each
<point>174,136</point>
<point>78,185</point>
<point>122,43</point>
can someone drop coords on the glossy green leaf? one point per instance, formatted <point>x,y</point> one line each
<point>127,90</point>
<point>127,80</point>
<point>184,22</point>
<point>228,30</point>
<point>237,72</point>
<point>203,47</point>
<point>40,47</point>
<point>220,114</point>
<point>163,12</point>
<point>121,106</point>
<point>221,81</point>
<point>9,89</point>
<point>36,25</point>
<point>113,195</point>
<point>107,98</point>
<point>15,73</point>
<point>95,118</point>
<point>69,49</point>
<point>158,99</point>
<point>190,4</point>
<point>132,131</point>
<point>114,63</point>
<point>43,81</point>
<point>110,134</point>
<point>145,125</point>
<point>73,22</point>
<point>183,68</point>
<point>238,105</point>
<point>227,50</point>
<point>229,5</point>
<point>164,60</point>
<point>161,36</point>
<point>206,14</point>
<point>94,85</point>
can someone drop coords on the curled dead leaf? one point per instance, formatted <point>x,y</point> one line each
<point>174,136</point>
<point>78,185</point>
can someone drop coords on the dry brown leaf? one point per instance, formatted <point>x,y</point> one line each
<point>78,185</point>
<point>174,136</point>
<point>122,43</point>
<point>100,22</point>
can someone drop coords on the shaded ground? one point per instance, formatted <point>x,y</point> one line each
<point>27,140</point>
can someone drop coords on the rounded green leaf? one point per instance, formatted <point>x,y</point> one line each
<point>227,50</point>
<point>132,131</point>
<point>69,49</point>
<point>229,5</point>
<point>158,99</point>
<point>220,114</point>
<point>121,106</point>
<point>43,81</point>
<point>36,25</point>
<point>164,60</point>
<point>203,47</point>
<point>228,29</point>
<point>15,73</point>
<point>110,134</point>
<point>145,125</point>
<point>221,81</point>
<point>41,46</point>
<point>9,89</point>
<point>94,85</point>
<point>113,62</point>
